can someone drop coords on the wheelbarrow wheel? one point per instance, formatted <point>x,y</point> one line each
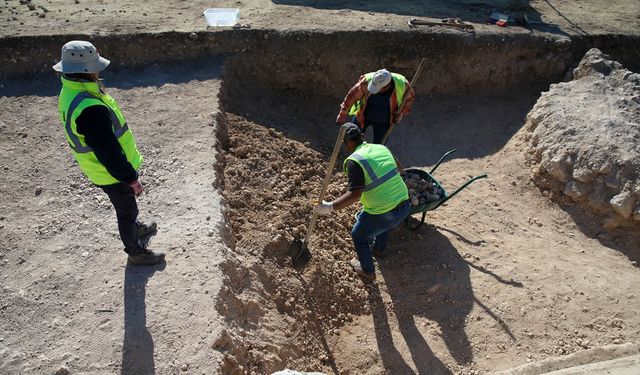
<point>414,228</point>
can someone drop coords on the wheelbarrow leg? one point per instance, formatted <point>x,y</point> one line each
<point>406,222</point>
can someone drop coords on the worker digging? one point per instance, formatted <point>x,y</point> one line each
<point>374,180</point>
<point>298,158</point>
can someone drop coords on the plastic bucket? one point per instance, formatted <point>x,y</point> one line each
<point>222,16</point>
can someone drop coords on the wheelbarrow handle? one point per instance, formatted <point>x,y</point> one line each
<point>441,159</point>
<point>460,189</point>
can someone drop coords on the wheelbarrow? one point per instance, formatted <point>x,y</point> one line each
<point>432,205</point>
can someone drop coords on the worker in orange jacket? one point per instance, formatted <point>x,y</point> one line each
<point>374,100</point>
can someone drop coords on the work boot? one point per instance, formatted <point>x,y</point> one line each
<point>368,276</point>
<point>146,257</point>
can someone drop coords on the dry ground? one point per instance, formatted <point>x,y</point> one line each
<point>501,276</point>
<point>67,296</point>
<point>126,16</point>
<point>525,278</point>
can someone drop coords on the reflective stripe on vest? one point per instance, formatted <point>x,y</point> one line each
<point>77,146</point>
<point>384,187</point>
<point>375,180</point>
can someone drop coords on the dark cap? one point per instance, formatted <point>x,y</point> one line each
<point>352,131</point>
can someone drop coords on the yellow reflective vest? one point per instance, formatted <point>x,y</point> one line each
<point>75,96</point>
<point>384,188</point>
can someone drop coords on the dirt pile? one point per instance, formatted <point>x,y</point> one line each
<point>279,315</point>
<point>583,138</point>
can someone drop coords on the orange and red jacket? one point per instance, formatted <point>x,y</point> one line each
<point>359,91</point>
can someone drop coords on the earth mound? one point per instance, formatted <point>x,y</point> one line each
<point>583,140</point>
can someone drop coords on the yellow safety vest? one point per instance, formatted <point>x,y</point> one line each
<point>75,96</point>
<point>384,188</point>
<point>400,86</point>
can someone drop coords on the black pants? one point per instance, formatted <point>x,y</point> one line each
<point>124,201</point>
<point>379,130</point>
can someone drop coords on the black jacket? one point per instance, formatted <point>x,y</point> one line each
<point>95,124</point>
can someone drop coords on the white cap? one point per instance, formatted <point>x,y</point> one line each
<point>79,56</point>
<point>381,78</point>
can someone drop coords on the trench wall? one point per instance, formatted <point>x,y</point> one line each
<point>320,63</point>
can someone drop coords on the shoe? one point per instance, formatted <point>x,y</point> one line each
<point>146,257</point>
<point>355,264</point>
<point>378,254</point>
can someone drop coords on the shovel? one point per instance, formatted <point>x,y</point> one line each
<point>404,99</point>
<point>299,250</point>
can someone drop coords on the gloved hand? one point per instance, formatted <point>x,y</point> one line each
<point>397,117</point>
<point>137,188</point>
<point>324,208</point>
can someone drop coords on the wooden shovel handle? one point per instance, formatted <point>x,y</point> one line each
<point>325,183</point>
<point>404,99</point>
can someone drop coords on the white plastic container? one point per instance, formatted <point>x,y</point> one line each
<point>222,16</point>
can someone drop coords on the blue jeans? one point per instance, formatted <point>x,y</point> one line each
<point>373,230</point>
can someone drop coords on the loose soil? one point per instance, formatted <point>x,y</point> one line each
<point>502,275</point>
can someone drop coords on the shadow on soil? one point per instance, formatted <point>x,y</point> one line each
<point>476,124</point>
<point>121,78</point>
<point>432,282</point>
<point>470,10</point>
<point>624,240</point>
<point>137,346</point>
<point>467,10</point>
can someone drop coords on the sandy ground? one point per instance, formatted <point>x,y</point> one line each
<point>40,17</point>
<point>499,277</point>
<point>67,296</point>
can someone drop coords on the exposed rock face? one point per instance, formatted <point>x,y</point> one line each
<point>584,138</point>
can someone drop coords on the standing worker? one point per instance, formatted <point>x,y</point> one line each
<point>102,143</point>
<point>374,100</point>
<point>375,180</point>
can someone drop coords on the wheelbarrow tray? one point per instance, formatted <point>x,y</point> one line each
<point>427,206</point>
<point>428,176</point>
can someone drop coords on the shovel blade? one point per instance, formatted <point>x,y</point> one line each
<point>299,253</point>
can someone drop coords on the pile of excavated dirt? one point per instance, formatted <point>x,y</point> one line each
<point>584,139</point>
<point>271,184</point>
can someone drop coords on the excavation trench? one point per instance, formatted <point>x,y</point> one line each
<point>451,297</point>
<point>279,109</point>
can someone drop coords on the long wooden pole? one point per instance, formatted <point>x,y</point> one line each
<point>404,99</point>
<point>325,183</point>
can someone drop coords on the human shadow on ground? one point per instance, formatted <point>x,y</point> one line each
<point>48,84</point>
<point>426,279</point>
<point>137,346</point>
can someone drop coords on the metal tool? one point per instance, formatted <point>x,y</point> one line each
<point>450,22</point>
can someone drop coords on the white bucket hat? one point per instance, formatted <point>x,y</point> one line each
<point>79,56</point>
<point>381,78</point>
